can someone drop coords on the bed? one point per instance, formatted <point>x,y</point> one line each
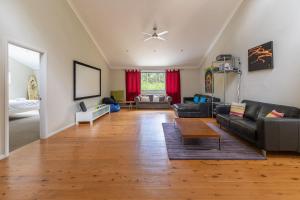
<point>22,105</point>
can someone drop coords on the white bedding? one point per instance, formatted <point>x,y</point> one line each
<point>23,105</point>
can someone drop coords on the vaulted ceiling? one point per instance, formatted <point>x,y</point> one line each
<point>116,27</point>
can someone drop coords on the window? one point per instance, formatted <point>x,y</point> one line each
<point>153,83</point>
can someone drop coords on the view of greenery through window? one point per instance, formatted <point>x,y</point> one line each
<point>153,81</point>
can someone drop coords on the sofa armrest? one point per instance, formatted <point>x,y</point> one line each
<point>137,99</point>
<point>169,99</point>
<point>223,109</point>
<point>278,134</point>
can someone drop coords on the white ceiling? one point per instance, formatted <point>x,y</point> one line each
<point>116,27</point>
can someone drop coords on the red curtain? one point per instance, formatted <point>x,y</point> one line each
<point>173,85</point>
<point>133,84</point>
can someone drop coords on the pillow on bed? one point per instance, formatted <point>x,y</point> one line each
<point>20,99</point>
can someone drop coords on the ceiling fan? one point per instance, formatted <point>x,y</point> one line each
<point>155,35</point>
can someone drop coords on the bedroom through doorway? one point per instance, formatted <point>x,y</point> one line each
<point>24,96</point>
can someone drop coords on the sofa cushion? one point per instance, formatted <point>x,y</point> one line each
<point>229,117</point>
<point>289,111</point>
<point>162,98</point>
<point>154,102</point>
<point>251,111</point>
<point>155,98</point>
<point>187,107</point>
<point>145,98</point>
<point>150,97</point>
<point>244,127</point>
<point>138,98</point>
<point>224,119</point>
<point>209,99</point>
<point>266,108</point>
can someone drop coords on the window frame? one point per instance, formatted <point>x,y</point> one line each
<point>148,92</point>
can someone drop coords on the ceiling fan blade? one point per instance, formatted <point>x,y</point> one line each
<point>149,38</point>
<point>163,33</point>
<point>146,33</point>
<point>160,38</point>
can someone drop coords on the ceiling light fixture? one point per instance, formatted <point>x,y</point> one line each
<point>155,35</point>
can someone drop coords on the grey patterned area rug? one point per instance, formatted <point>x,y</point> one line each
<point>232,148</point>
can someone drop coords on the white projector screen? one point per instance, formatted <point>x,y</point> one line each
<point>87,81</point>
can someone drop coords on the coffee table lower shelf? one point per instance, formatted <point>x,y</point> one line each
<point>185,143</point>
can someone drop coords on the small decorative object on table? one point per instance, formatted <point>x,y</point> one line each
<point>82,106</point>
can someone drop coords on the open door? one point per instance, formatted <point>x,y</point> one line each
<point>25,86</point>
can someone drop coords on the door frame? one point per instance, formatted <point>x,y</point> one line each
<point>43,90</point>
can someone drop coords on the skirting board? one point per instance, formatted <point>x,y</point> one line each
<point>2,156</point>
<point>60,130</point>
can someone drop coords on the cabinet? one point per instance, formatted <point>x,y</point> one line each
<point>92,114</point>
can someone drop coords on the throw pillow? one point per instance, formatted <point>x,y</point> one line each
<point>145,99</point>
<point>162,98</point>
<point>196,99</point>
<point>150,97</point>
<point>155,98</point>
<point>237,109</point>
<point>167,98</point>
<point>138,98</point>
<point>202,100</point>
<point>275,114</point>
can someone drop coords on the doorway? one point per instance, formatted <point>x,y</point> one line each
<point>25,84</point>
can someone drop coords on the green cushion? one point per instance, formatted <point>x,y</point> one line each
<point>118,95</point>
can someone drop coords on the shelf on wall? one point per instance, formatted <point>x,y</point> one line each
<point>235,67</point>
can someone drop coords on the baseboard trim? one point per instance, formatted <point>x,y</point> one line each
<point>3,156</point>
<point>59,130</point>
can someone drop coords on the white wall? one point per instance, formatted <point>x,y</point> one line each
<point>19,76</point>
<point>117,79</point>
<point>257,22</point>
<point>190,81</point>
<point>51,26</point>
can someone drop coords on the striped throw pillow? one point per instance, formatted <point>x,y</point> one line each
<point>275,114</point>
<point>237,109</point>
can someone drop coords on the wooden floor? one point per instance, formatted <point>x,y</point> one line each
<point>123,156</point>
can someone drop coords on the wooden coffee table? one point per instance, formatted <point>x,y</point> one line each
<point>193,128</point>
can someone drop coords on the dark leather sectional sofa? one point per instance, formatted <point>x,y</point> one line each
<point>269,134</point>
<point>191,110</point>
